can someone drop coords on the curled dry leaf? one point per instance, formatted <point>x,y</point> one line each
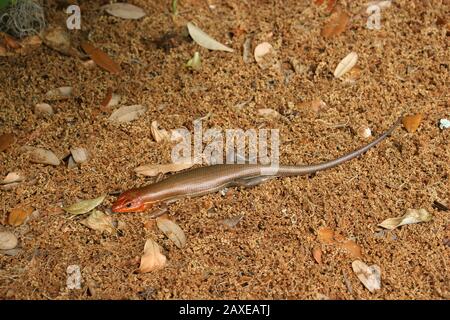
<point>265,56</point>
<point>43,109</point>
<point>12,177</point>
<point>204,40</point>
<point>152,259</point>
<point>101,58</point>
<point>268,113</point>
<point>233,221</point>
<point>99,221</point>
<point>411,216</point>
<point>336,24</point>
<point>8,240</point>
<point>60,93</point>
<point>369,276</point>
<point>18,215</point>
<point>412,122</point>
<point>317,254</point>
<point>58,39</point>
<point>6,140</point>
<point>159,134</point>
<point>124,11</point>
<point>154,170</point>
<point>84,206</point>
<point>40,155</point>
<point>172,231</point>
<point>80,155</point>
<point>346,64</point>
<point>128,113</point>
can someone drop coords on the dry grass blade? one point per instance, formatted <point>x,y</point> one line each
<point>172,231</point>
<point>152,259</point>
<point>101,58</point>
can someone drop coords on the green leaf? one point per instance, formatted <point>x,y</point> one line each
<point>84,206</point>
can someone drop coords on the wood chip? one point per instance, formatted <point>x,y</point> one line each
<point>99,221</point>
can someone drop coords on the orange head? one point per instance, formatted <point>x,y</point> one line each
<point>130,201</point>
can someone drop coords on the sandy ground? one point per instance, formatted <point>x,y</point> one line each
<point>268,254</point>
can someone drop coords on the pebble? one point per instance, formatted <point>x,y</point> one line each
<point>7,240</point>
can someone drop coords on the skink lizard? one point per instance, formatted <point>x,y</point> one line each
<point>204,180</point>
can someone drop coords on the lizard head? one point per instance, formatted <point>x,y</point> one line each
<point>130,201</point>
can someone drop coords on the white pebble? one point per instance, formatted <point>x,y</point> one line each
<point>444,124</point>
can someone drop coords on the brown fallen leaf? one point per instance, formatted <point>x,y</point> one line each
<point>99,221</point>
<point>152,259</point>
<point>40,155</point>
<point>10,41</point>
<point>6,140</point>
<point>58,39</point>
<point>172,231</point>
<point>12,177</point>
<point>101,58</point>
<point>317,254</point>
<point>18,215</point>
<point>336,24</point>
<point>126,114</point>
<point>412,122</point>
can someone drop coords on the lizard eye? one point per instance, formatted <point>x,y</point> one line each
<point>128,205</point>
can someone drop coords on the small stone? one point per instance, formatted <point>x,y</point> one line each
<point>7,240</point>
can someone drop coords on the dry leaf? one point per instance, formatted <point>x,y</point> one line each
<point>411,123</point>
<point>58,39</point>
<point>60,93</point>
<point>353,75</point>
<point>71,163</point>
<point>326,235</point>
<point>12,177</point>
<point>40,155</point>
<point>155,169</point>
<point>29,44</point>
<point>204,40</point>
<point>336,25</point>
<point>84,206</point>
<point>233,221</point>
<point>6,140</point>
<point>346,64</point>
<point>265,56</point>
<point>111,99</point>
<point>17,216</point>
<point>128,113</point>
<point>124,11</point>
<point>79,155</point>
<point>317,254</point>
<point>99,221</point>
<point>364,132</point>
<point>10,42</point>
<point>43,109</point>
<point>411,216</point>
<point>100,58</point>
<point>352,247</point>
<point>369,276</point>
<point>152,259</point>
<point>8,240</point>
<point>172,231</point>
<point>159,134</point>
<point>268,113</point>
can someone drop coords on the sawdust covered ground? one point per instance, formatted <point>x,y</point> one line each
<point>404,68</point>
